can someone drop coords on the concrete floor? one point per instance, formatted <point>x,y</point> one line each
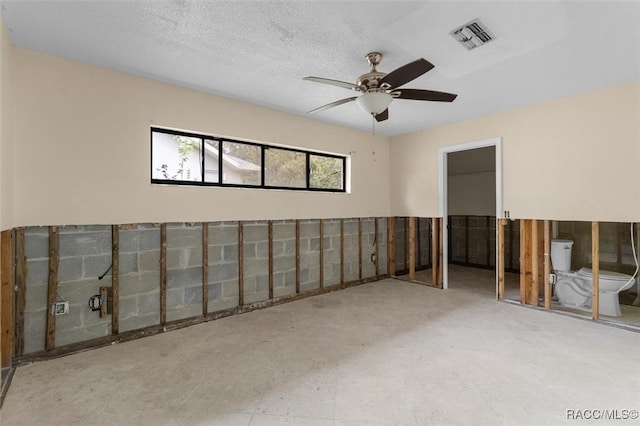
<point>386,353</point>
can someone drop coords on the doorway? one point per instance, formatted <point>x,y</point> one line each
<point>470,200</point>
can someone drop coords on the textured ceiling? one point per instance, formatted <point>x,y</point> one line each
<point>259,51</point>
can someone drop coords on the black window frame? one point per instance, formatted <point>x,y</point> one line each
<point>263,147</point>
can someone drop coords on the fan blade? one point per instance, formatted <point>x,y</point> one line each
<point>384,115</point>
<point>338,83</point>
<point>333,104</point>
<point>423,95</point>
<point>406,73</point>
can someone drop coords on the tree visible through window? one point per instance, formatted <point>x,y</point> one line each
<point>185,158</point>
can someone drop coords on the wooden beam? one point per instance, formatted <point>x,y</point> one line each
<point>501,225</point>
<point>375,247</point>
<point>440,252</point>
<point>297,256</point>
<point>20,292</point>
<point>115,279</point>
<point>240,264</point>
<point>321,253</point>
<point>523,261</point>
<point>7,266</point>
<point>595,268</point>
<point>418,244</point>
<point>547,264</point>
<point>434,251</point>
<point>163,273</point>
<point>412,248</point>
<point>405,243</point>
<point>341,251</point>
<point>205,268</point>
<point>511,244</point>
<point>270,259</point>
<point>50,339</point>
<point>533,300</point>
<point>391,246</point>
<point>359,248</point>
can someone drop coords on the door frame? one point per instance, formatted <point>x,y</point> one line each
<point>443,199</point>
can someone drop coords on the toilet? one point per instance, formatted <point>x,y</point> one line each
<point>573,289</point>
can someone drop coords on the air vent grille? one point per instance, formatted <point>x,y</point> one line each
<point>472,34</point>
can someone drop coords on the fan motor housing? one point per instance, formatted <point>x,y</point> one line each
<point>370,80</point>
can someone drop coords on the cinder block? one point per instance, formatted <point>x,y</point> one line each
<point>148,261</point>
<point>175,297</point>
<point>193,295</point>
<point>230,289</point>
<point>284,231</point>
<point>223,233</point>
<point>249,250</point>
<point>289,247</point>
<point>139,240</point>
<point>34,343</point>
<point>135,323</point>
<point>278,248</point>
<point>230,253</point>
<point>256,267</point>
<point>284,263</point>
<point>214,291</point>
<point>35,323</point>
<point>310,229</point>
<point>184,257</point>
<point>183,312</point>
<point>36,246</point>
<point>184,237</point>
<point>143,282</point>
<point>262,249</point>
<point>278,280</point>
<point>94,266</point>
<point>128,263</point>
<point>214,253</point>
<point>224,272</point>
<point>254,233</point>
<point>149,303</point>
<point>84,244</point>
<point>36,297</point>
<point>128,307</point>
<point>65,337</point>
<point>309,259</point>
<point>188,277</point>
<point>37,272</point>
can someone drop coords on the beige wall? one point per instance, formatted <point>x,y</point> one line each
<point>6,130</point>
<point>575,158</point>
<point>82,152</point>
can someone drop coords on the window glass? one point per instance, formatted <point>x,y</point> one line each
<point>175,157</point>
<point>326,172</point>
<point>285,168</point>
<point>211,161</point>
<point>241,163</point>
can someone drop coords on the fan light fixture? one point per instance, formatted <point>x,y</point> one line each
<point>374,102</point>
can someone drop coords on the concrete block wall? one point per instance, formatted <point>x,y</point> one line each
<point>223,266</point>
<point>331,246</point>
<point>256,261</point>
<point>36,242</point>
<point>424,239</point>
<point>309,255</point>
<point>284,258</point>
<point>139,303</point>
<point>401,245</point>
<point>351,250</point>
<point>85,254</point>
<point>481,235</point>
<point>184,270</point>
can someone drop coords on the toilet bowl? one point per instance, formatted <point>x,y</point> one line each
<point>574,289</point>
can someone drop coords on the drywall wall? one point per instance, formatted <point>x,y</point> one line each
<point>6,130</point>
<point>83,151</point>
<point>574,158</point>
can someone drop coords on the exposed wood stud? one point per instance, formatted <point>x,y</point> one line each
<point>501,225</point>
<point>270,259</point>
<point>54,255</point>
<point>20,292</point>
<point>240,264</point>
<point>535,285</point>
<point>115,279</point>
<point>405,243</point>
<point>391,246</point>
<point>595,268</point>
<point>434,251</point>
<point>376,247</point>
<point>466,239</point>
<point>321,248</point>
<point>341,251</point>
<point>163,273</point>
<point>205,268</point>
<point>360,248</point>
<point>412,248</point>
<point>547,264</point>
<point>297,256</point>
<point>418,246</point>
<point>511,244</point>
<point>523,263</point>
<point>440,253</point>
<point>6,296</point>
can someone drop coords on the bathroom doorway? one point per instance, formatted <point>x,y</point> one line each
<point>470,200</point>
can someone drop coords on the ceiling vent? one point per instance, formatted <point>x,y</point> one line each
<point>472,34</point>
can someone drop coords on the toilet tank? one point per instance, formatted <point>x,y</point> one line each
<point>561,255</point>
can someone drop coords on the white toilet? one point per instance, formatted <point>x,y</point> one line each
<point>573,289</point>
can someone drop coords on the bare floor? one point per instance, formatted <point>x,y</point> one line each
<point>385,353</point>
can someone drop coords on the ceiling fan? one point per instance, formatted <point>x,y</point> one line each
<point>379,89</point>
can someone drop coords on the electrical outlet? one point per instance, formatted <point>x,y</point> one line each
<point>552,278</point>
<point>61,308</point>
<point>373,258</point>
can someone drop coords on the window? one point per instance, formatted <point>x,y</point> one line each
<point>191,159</point>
